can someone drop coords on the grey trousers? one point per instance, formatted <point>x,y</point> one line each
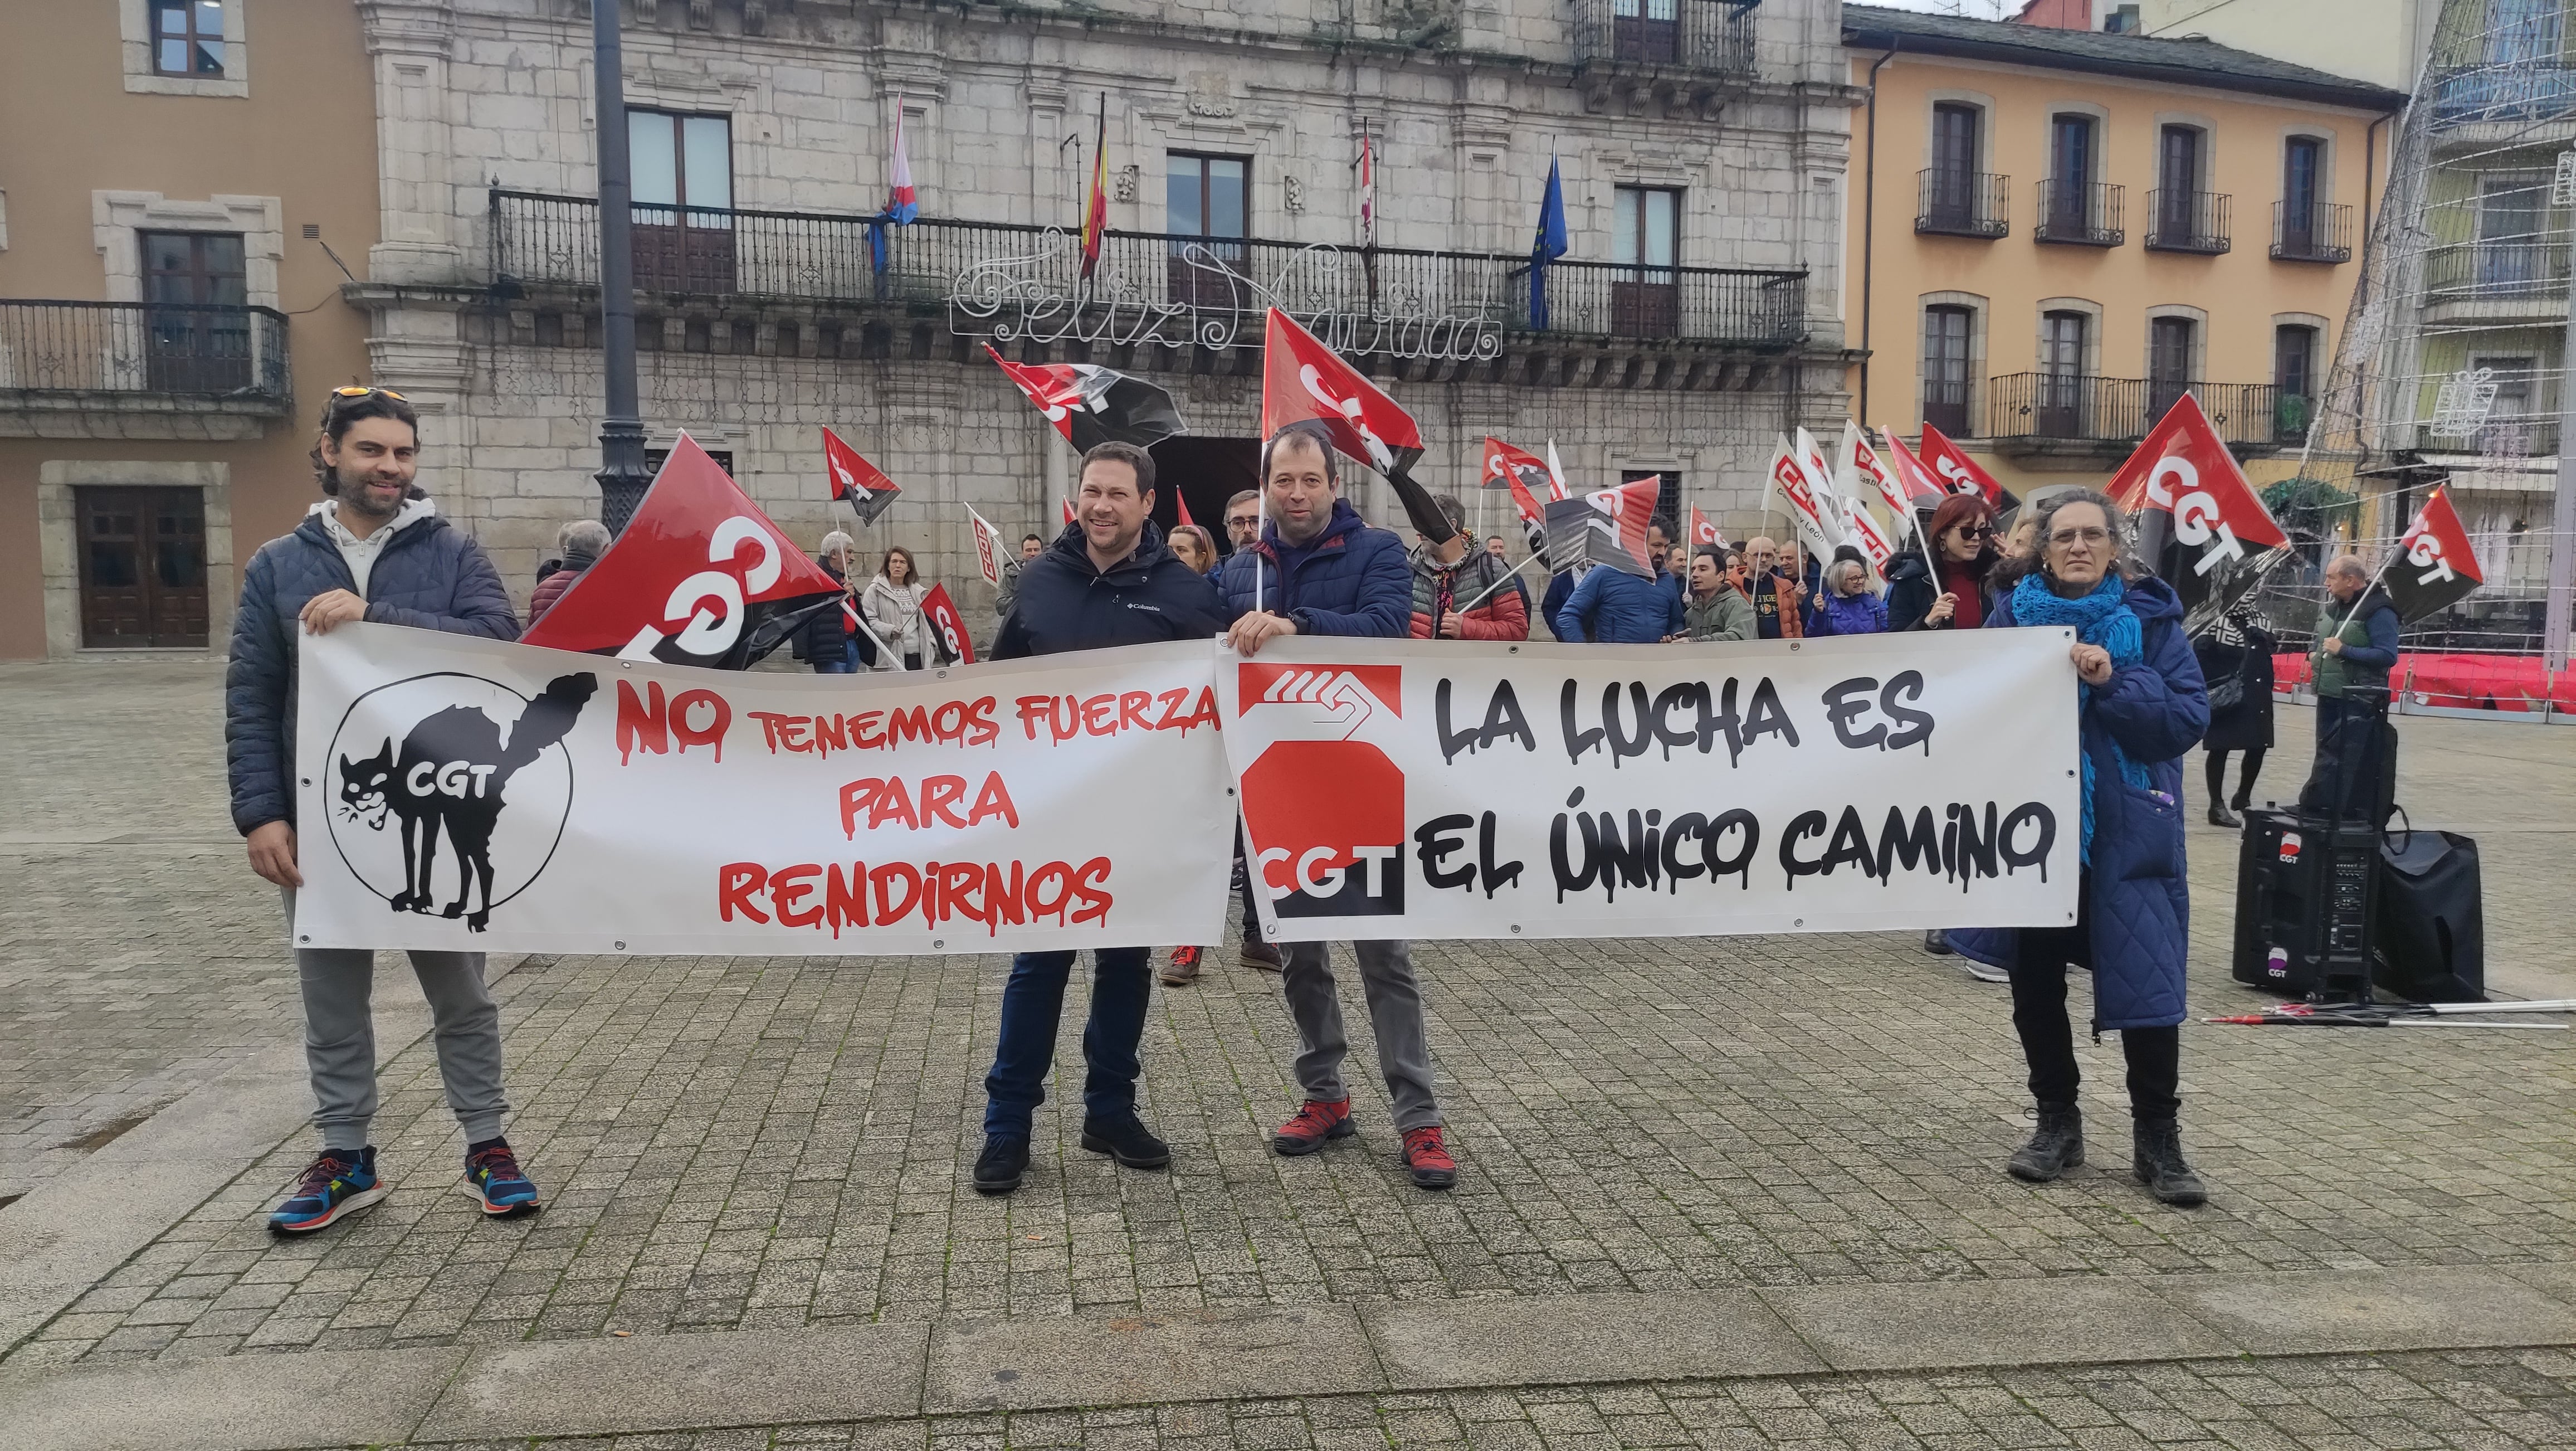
<point>1395,1011</point>
<point>340,1038</point>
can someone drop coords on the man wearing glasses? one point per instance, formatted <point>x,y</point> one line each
<point>373,549</point>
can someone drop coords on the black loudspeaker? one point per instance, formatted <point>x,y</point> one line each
<point>2305,891</point>
<point>2431,943</point>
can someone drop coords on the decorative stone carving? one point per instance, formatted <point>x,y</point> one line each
<point>1126,184</point>
<point>1292,189</point>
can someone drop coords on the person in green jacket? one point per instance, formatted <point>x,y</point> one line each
<point>1714,608</point>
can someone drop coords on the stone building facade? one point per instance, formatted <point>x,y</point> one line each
<point>1702,146</point>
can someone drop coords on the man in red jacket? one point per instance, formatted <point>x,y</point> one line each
<point>1458,589</point>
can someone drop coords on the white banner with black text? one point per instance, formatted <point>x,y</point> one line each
<point>463,794</point>
<point>1450,790</point>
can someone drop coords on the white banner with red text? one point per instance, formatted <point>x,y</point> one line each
<point>1458,790</point>
<point>463,794</point>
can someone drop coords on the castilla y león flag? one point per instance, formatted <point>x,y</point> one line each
<point>862,483</point>
<point>2182,469</point>
<point>1091,405</point>
<point>2435,567</point>
<point>699,577</point>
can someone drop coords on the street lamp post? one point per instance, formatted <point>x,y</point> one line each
<point>622,477</point>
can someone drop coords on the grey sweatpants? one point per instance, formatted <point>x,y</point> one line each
<point>340,1038</point>
<point>1395,1010</point>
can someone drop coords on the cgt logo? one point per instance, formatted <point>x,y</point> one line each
<point>1326,813</point>
<point>1339,698</point>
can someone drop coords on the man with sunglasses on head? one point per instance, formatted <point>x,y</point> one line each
<point>372,549</point>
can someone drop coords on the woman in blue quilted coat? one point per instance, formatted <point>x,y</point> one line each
<point>2142,708</point>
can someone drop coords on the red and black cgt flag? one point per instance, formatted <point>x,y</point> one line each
<point>1091,405</point>
<point>1519,470</point>
<point>2183,470</point>
<point>1302,380</point>
<point>862,483</point>
<point>2435,566</point>
<point>1606,526</point>
<point>699,577</point>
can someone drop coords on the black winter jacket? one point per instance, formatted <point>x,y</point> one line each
<point>1064,604</point>
<point>430,576</point>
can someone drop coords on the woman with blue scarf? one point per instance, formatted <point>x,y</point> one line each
<point>2142,707</point>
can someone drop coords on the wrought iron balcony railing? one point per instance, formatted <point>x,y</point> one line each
<point>1712,37</point>
<point>2078,408</point>
<point>2507,439</point>
<point>144,351</point>
<point>2086,214</point>
<point>1015,282</point>
<point>2495,271</point>
<point>1962,203</point>
<point>2536,89</point>
<point>2187,221</point>
<point>2319,232</point>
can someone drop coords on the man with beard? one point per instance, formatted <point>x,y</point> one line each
<point>373,549</point>
<point>1318,569</point>
<point>1107,580</point>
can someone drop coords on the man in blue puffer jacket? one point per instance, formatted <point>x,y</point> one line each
<point>1318,570</point>
<point>373,550</point>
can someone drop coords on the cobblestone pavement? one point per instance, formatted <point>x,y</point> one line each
<point>2483,1399</point>
<point>771,1143</point>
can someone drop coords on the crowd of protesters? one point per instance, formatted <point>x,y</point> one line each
<point>1299,559</point>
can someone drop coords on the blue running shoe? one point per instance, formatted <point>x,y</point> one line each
<point>492,1174</point>
<point>333,1186</point>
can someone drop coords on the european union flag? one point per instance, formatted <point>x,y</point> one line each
<point>1549,246</point>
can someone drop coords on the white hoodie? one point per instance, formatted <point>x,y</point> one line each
<point>360,554</point>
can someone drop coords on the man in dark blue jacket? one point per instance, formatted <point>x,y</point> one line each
<point>1318,570</point>
<point>2356,647</point>
<point>1613,607</point>
<point>1106,581</point>
<point>373,550</point>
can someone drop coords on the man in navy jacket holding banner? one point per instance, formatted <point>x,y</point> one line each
<point>1106,581</point>
<point>1318,569</point>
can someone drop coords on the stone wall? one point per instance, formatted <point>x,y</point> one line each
<point>1468,103</point>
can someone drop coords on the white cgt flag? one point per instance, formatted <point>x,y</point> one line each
<point>988,547</point>
<point>1864,473</point>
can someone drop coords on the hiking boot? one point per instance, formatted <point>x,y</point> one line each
<point>1315,1124</point>
<point>999,1168</point>
<point>2056,1146</point>
<point>1427,1159</point>
<point>334,1186</point>
<point>493,1175</point>
<point>1183,969</point>
<point>1260,954</point>
<point>2221,816</point>
<point>2156,1159</point>
<point>1937,942</point>
<point>1127,1140</point>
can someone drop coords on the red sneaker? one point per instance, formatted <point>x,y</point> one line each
<point>1315,1124</point>
<point>1428,1159</point>
<point>1183,969</point>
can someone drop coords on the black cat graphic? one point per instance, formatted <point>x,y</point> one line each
<point>450,775</point>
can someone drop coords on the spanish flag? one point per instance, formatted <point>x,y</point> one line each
<point>1095,212</point>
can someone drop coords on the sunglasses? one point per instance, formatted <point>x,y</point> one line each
<point>352,393</point>
<point>1976,531</point>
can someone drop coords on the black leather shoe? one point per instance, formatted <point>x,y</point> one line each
<point>2221,816</point>
<point>1937,942</point>
<point>2056,1146</point>
<point>999,1168</point>
<point>1128,1141</point>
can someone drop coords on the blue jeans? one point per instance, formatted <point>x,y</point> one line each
<point>848,664</point>
<point>1032,1006</point>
